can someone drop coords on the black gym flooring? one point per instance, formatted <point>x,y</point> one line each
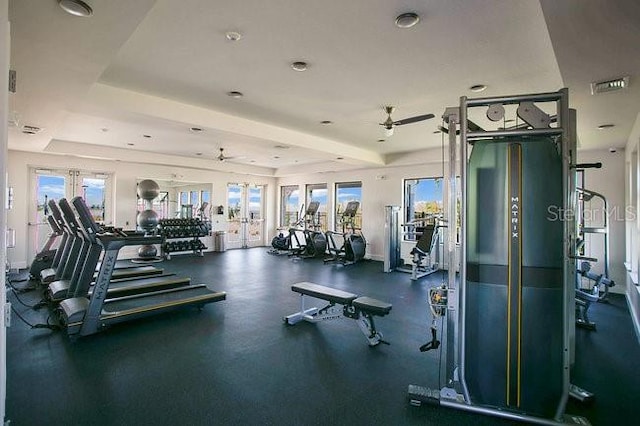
<point>236,362</point>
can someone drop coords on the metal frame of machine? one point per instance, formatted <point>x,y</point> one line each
<point>452,298</point>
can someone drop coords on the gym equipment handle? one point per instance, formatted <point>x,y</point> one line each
<point>588,166</point>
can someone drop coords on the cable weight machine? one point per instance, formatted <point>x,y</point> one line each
<point>517,265</point>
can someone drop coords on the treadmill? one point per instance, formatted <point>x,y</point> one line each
<point>84,316</point>
<point>57,269</point>
<point>88,257</point>
<point>47,254</point>
<point>124,269</point>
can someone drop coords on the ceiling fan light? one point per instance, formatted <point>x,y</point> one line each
<point>388,131</point>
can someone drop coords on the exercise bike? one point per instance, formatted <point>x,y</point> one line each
<point>281,243</point>
<point>353,245</point>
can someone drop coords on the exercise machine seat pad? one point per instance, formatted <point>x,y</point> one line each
<point>372,306</point>
<point>325,293</point>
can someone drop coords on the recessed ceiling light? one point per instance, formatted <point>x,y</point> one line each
<point>76,8</point>
<point>198,153</point>
<point>478,88</point>
<point>104,130</point>
<point>233,35</point>
<point>407,20</point>
<point>435,132</point>
<point>612,150</point>
<point>235,94</point>
<point>339,158</point>
<point>276,157</point>
<point>130,144</point>
<point>252,161</point>
<point>381,140</point>
<point>606,126</point>
<point>281,146</point>
<point>326,122</point>
<point>196,129</point>
<point>146,136</point>
<point>299,66</point>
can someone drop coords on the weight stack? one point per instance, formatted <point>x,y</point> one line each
<point>514,288</point>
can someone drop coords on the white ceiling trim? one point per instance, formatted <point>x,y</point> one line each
<point>145,157</point>
<point>111,97</point>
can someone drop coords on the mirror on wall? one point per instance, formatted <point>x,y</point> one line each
<point>178,199</point>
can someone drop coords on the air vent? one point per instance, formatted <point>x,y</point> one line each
<point>30,130</point>
<point>610,85</point>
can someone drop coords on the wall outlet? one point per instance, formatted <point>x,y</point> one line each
<point>7,314</point>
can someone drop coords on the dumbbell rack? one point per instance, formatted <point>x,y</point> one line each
<point>183,235</point>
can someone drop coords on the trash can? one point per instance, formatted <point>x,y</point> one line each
<point>218,241</point>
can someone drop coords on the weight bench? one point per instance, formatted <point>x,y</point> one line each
<point>362,309</point>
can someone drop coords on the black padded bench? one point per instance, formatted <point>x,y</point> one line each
<point>362,309</point>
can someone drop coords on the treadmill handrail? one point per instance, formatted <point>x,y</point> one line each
<point>70,218</point>
<point>108,239</point>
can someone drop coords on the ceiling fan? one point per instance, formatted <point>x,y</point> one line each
<point>223,157</point>
<point>389,124</point>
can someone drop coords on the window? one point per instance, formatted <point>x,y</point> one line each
<point>205,196</point>
<point>345,192</point>
<point>160,205</point>
<point>289,201</point>
<point>423,203</point>
<point>193,198</point>
<point>204,208</point>
<point>184,198</point>
<point>318,192</point>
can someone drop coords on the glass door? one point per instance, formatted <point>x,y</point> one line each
<point>255,228</point>
<point>93,188</point>
<point>245,215</point>
<point>47,184</point>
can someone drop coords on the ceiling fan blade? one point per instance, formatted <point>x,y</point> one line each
<point>413,119</point>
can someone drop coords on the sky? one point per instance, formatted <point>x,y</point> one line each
<point>54,187</point>
<point>429,190</point>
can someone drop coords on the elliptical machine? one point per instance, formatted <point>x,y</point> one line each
<point>309,241</point>
<point>354,245</point>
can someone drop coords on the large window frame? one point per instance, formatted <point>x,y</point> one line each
<point>342,194</point>
<point>289,205</point>
<point>318,192</point>
<point>428,210</point>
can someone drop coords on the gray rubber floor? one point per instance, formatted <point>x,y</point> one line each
<point>236,362</point>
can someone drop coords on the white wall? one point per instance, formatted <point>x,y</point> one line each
<point>608,181</point>
<point>125,177</point>
<point>4,68</point>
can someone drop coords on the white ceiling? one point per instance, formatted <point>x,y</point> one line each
<point>160,67</point>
